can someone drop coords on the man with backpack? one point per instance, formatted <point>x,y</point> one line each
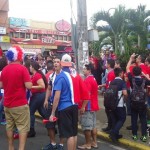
<point>110,76</point>
<point>138,100</point>
<point>116,105</point>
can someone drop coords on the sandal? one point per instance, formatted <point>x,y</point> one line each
<point>84,147</point>
<point>94,146</point>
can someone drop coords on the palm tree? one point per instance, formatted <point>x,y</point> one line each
<point>124,25</point>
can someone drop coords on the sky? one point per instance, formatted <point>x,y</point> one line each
<point>54,10</point>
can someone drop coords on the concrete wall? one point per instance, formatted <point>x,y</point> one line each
<point>4,5</point>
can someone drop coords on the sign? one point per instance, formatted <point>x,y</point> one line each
<point>85,46</point>
<point>19,22</point>
<point>36,31</point>
<point>33,50</point>
<point>48,40</point>
<point>5,39</point>
<point>2,30</point>
<point>62,25</point>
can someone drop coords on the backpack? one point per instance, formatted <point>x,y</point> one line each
<point>138,95</point>
<point>111,99</point>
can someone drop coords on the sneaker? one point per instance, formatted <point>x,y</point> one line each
<point>143,138</point>
<point>134,137</point>
<point>31,133</point>
<point>119,136</point>
<point>3,122</point>
<point>50,147</point>
<point>106,129</point>
<point>113,137</point>
<point>60,147</point>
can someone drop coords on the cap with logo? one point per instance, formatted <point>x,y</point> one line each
<point>66,60</point>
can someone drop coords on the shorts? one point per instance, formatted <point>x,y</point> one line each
<point>18,117</point>
<point>48,111</point>
<point>88,120</point>
<point>68,122</point>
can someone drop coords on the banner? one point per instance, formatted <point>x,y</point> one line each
<point>19,22</point>
<point>5,39</point>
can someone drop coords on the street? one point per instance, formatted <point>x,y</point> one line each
<point>41,139</point>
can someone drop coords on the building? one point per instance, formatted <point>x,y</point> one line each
<point>4,36</point>
<point>37,36</point>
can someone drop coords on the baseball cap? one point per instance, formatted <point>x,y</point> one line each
<point>66,60</point>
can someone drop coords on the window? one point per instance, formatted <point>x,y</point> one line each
<point>65,38</point>
<point>39,36</point>
<point>35,36</point>
<point>56,37</point>
<point>60,37</point>
<point>16,35</point>
<point>27,35</point>
<point>11,34</point>
<point>49,35</point>
<point>69,38</point>
<point>22,35</point>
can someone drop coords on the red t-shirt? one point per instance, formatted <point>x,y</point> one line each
<point>148,70</point>
<point>92,87</point>
<point>110,77</point>
<point>34,80</point>
<point>48,74</point>
<point>13,78</point>
<point>80,90</point>
<point>144,68</point>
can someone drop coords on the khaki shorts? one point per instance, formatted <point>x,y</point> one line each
<point>18,117</point>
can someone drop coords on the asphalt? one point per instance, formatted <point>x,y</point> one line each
<point>126,141</point>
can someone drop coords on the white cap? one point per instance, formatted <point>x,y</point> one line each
<point>66,60</point>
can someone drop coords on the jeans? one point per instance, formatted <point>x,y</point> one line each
<point>118,118</point>
<point>128,103</point>
<point>148,101</point>
<point>134,118</point>
<point>36,103</point>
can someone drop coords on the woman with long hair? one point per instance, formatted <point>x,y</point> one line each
<point>38,94</point>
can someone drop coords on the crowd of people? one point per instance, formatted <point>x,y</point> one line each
<point>52,86</point>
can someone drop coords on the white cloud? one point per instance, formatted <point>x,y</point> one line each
<point>54,10</point>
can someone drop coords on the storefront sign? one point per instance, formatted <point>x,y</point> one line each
<point>48,40</point>
<point>19,22</point>
<point>63,26</point>
<point>2,30</point>
<point>33,50</point>
<point>34,31</point>
<point>5,39</point>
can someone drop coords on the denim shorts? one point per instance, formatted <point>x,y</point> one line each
<point>88,120</point>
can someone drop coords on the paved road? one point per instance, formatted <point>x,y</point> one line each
<point>42,139</point>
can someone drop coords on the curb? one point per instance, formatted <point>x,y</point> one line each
<point>104,136</point>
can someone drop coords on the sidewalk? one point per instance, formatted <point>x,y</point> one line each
<point>127,134</point>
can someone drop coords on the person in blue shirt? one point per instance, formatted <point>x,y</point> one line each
<point>63,99</point>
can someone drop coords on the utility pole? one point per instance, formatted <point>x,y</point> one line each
<point>82,33</point>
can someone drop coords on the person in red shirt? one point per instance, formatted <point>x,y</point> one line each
<point>14,80</point>
<point>38,90</point>
<point>50,69</point>
<point>88,118</point>
<point>140,62</point>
